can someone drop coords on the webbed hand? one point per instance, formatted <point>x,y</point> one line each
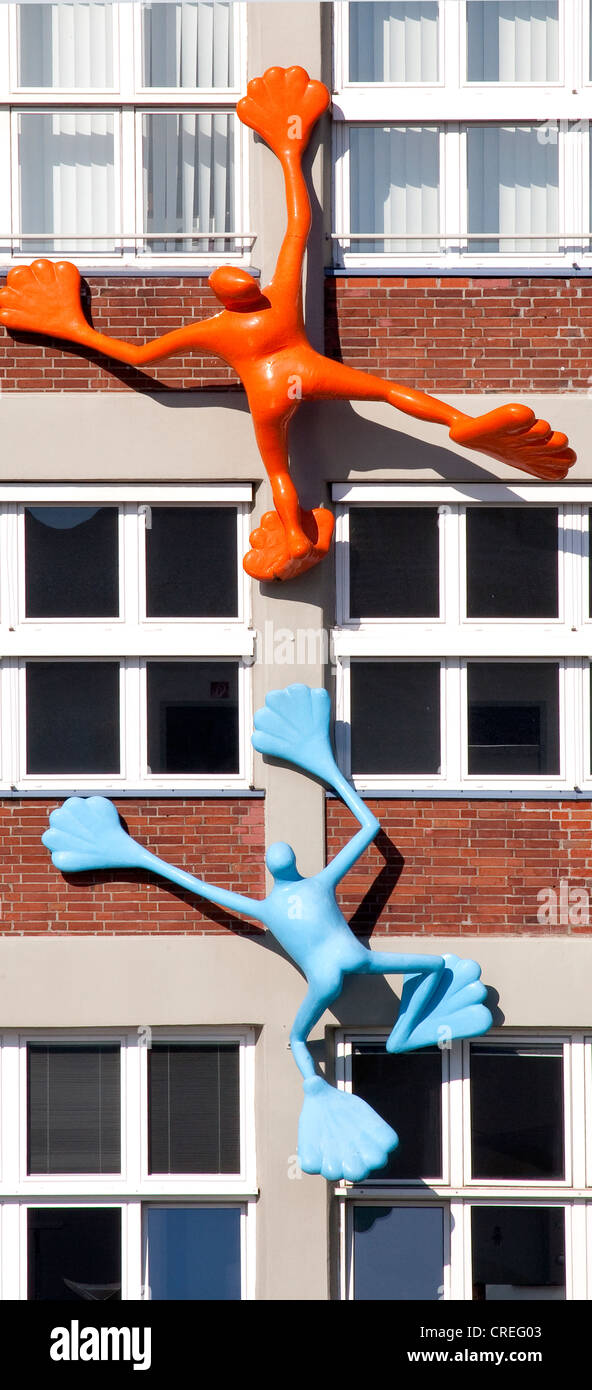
<point>284,106</point>
<point>86,833</point>
<point>43,298</point>
<point>513,435</point>
<point>294,725</point>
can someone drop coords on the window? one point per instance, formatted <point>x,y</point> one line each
<point>127,1168</point>
<point>103,592</point>
<point>462,133</point>
<point>462,638</point>
<point>489,1195</point>
<point>119,124</point>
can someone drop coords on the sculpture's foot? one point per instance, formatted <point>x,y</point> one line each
<point>339,1135</point>
<point>513,435</point>
<point>283,106</point>
<point>273,557</point>
<point>43,298</point>
<point>454,1010</point>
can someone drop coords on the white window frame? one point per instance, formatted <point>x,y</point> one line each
<point>453,103</point>
<point>455,639</point>
<point>132,638</point>
<point>134,1189</point>
<point>128,100</point>
<point>459,1192</point>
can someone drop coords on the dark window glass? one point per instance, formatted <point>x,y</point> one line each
<point>194,1109</point>
<point>518,1253</point>
<point>73,1110</point>
<point>407,1092</point>
<point>74,1254</point>
<point>398,1253</point>
<point>395,716</point>
<point>191,562</point>
<point>73,716</point>
<point>513,718</point>
<point>394,562</point>
<point>194,1253</point>
<point>193,716</point>
<point>517,1113</point>
<point>71,562</point>
<point>590,508</point>
<point>512,562</point>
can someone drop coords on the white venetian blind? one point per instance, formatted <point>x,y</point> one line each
<point>67,46</point>
<point>394,183</point>
<point>188,165</point>
<point>188,45</point>
<point>395,42</point>
<point>512,41</point>
<point>67,179</point>
<point>513,187</point>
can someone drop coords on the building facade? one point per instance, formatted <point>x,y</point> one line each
<point>148,1099</point>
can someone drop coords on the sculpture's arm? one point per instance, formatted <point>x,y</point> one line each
<point>45,298</point>
<point>349,855</point>
<point>235,902</point>
<point>287,277</point>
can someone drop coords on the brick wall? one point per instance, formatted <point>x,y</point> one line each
<point>200,835</point>
<point>448,334</point>
<point>452,867</point>
<point>134,308</point>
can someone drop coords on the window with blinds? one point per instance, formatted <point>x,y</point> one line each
<point>74,1109</point>
<point>193,1109</point>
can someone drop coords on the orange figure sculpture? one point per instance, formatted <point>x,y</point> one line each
<point>261,334</point>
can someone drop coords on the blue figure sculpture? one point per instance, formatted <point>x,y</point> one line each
<point>339,1135</point>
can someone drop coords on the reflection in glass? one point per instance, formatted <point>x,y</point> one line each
<point>398,1253</point>
<point>194,1109</point>
<point>193,716</point>
<point>518,1253</point>
<point>72,717</point>
<point>395,717</point>
<point>512,562</point>
<point>517,1113</point>
<point>191,562</point>
<point>407,1092</point>
<point>513,718</point>
<point>194,1253</point>
<point>394,561</point>
<point>71,562</point>
<point>74,1105</point>
<point>74,1254</point>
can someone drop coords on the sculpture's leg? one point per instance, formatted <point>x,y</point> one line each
<point>445,1003</point>
<point>291,541</point>
<point>309,1013</point>
<point>273,445</point>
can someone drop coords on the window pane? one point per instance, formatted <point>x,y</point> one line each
<point>394,562</point>
<point>395,717</point>
<point>188,180</point>
<point>74,1110</point>
<point>74,1253</point>
<point>194,1109</point>
<point>188,45</point>
<point>512,569</point>
<point>67,181</point>
<point>513,718</point>
<point>66,45</point>
<point>191,564</point>
<point>194,1253</point>
<point>518,1253</point>
<point>72,716</point>
<point>517,1113</point>
<point>512,41</point>
<point>398,1253</point>
<point>513,189</point>
<point>407,1092</point>
<point>394,187</point>
<point>71,562</point>
<point>193,716</point>
<point>395,42</point>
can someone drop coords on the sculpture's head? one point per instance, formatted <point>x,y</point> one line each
<point>236,289</point>
<point>281,862</point>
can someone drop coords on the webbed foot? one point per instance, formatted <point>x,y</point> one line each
<point>273,554</point>
<point>454,1010</point>
<point>339,1135</point>
<point>512,434</point>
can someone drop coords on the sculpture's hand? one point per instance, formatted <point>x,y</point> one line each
<point>283,106</point>
<point>514,435</point>
<point>294,725</point>
<point>43,298</point>
<point>86,833</point>
<point>270,557</point>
